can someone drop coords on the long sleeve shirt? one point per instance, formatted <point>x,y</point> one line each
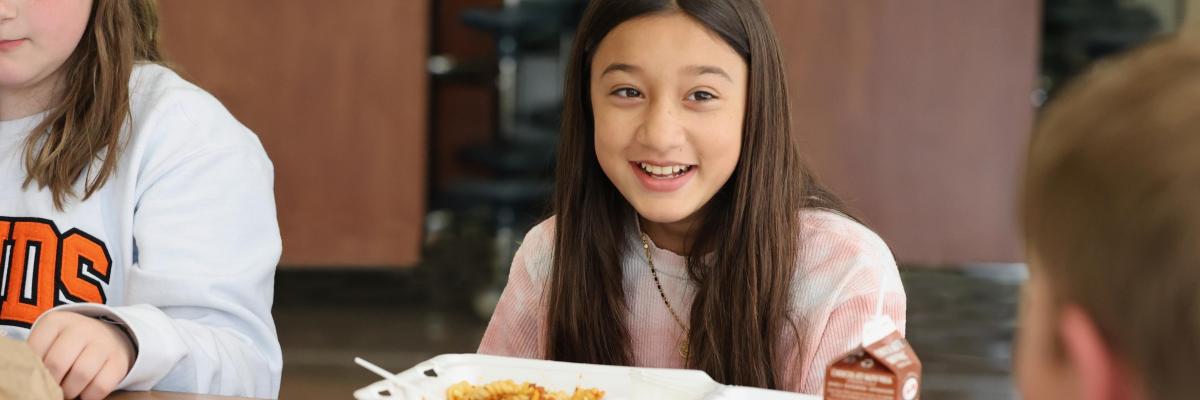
<point>843,275</point>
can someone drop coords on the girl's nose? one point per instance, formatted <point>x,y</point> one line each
<point>661,130</point>
<point>8,10</point>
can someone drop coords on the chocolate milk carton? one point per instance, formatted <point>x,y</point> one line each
<point>883,368</point>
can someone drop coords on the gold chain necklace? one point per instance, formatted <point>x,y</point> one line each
<point>683,344</point>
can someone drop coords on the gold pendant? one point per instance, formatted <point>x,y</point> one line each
<point>683,349</point>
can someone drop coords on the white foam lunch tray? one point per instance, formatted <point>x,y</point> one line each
<point>429,380</point>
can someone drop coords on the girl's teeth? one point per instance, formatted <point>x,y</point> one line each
<point>664,171</point>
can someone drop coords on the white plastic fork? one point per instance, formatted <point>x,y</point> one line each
<point>407,388</point>
<point>648,384</point>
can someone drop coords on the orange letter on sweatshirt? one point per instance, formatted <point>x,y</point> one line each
<point>85,264</point>
<point>31,252</point>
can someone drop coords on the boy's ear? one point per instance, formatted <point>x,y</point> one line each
<point>1098,370</point>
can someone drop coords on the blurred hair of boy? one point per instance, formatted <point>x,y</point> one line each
<point>1111,218</point>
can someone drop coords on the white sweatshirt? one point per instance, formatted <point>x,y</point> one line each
<point>180,245</point>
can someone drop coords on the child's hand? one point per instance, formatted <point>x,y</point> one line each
<point>87,356</point>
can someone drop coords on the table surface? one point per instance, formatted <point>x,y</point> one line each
<point>168,396</point>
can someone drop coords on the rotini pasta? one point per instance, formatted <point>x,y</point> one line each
<point>509,390</point>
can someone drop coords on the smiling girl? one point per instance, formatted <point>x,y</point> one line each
<point>687,231</point>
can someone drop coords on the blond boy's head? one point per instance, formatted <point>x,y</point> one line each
<point>1111,216</point>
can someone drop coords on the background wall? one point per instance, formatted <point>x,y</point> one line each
<point>338,95</point>
<point>917,113</point>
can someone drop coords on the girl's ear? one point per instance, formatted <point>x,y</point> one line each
<point>1098,370</point>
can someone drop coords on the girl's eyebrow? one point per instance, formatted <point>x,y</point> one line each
<point>691,69</point>
<point>707,69</point>
<point>627,68</point>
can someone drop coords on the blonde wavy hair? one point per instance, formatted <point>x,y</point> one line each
<point>83,124</point>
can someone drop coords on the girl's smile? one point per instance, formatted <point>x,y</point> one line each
<point>663,176</point>
<point>6,45</point>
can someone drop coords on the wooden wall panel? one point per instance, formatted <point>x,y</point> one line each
<point>338,95</point>
<point>917,112</point>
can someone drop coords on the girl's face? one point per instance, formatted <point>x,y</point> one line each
<point>668,97</point>
<point>36,38</point>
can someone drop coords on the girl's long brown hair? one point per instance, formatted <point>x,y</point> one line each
<point>743,295</point>
<point>83,125</point>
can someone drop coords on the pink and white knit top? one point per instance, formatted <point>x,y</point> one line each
<point>842,271</point>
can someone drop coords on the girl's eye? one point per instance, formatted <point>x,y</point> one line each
<point>627,92</point>
<point>701,95</point>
